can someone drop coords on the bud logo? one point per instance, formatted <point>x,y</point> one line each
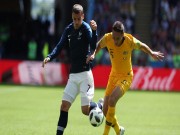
<point>153,79</point>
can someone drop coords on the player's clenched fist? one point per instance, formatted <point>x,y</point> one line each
<point>45,61</point>
<point>93,25</point>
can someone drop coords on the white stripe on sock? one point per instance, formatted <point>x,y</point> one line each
<point>60,128</point>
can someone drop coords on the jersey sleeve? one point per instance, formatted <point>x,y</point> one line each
<point>102,41</point>
<point>136,43</point>
<point>63,40</point>
<point>94,40</point>
<point>91,37</point>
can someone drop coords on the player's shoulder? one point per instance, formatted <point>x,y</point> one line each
<point>128,36</point>
<point>69,27</point>
<point>107,38</point>
<point>108,35</point>
<point>85,25</point>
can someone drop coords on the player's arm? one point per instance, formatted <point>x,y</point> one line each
<point>156,55</point>
<point>98,47</point>
<point>91,35</point>
<point>63,40</point>
<point>94,35</point>
<point>91,57</point>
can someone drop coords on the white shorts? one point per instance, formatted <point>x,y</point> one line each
<point>82,83</point>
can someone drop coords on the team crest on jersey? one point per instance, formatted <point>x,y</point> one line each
<point>79,35</point>
<point>125,52</point>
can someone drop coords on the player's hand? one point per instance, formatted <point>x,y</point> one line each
<point>157,56</point>
<point>89,58</point>
<point>93,25</point>
<point>45,61</point>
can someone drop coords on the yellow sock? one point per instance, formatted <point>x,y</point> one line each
<point>116,126</point>
<point>107,128</point>
<point>109,119</point>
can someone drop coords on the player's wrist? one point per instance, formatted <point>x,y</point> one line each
<point>94,31</point>
<point>48,58</point>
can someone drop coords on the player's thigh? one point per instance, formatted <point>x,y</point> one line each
<point>71,91</point>
<point>87,90</point>
<point>115,95</point>
<point>123,84</point>
<point>110,86</point>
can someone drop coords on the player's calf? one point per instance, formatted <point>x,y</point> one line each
<point>62,122</point>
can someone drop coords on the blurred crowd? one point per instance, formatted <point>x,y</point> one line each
<point>108,11</point>
<point>24,40</point>
<point>165,31</point>
<point>33,40</point>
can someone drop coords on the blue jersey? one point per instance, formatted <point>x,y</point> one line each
<point>81,42</point>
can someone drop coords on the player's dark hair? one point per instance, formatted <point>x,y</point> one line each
<point>77,8</point>
<point>118,27</point>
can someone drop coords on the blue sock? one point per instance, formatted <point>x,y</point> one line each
<point>92,105</point>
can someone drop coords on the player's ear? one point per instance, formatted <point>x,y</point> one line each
<point>82,15</point>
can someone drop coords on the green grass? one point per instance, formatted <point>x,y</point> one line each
<point>27,110</point>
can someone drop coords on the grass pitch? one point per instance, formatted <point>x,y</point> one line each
<point>29,110</point>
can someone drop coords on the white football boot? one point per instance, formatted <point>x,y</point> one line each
<point>122,130</point>
<point>101,101</point>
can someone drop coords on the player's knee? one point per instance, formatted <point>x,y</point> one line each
<point>85,110</point>
<point>112,101</point>
<point>65,106</point>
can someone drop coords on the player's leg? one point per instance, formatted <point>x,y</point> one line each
<point>86,108</point>
<point>87,93</point>
<point>105,106</point>
<point>70,93</point>
<point>122,85</point>
<point>105,109</point>
<point>113,99</point>
<point>110,115</point>
<point>108,92</point>
<point>63,118</point>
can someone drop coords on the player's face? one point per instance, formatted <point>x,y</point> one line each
<point>77,19</point>
<point>117,37</point>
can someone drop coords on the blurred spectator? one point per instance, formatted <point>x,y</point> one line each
<point>165,30</point>
<point>176,60</point>
<point>45,50</point>
<point>32,50</point>
<point>1,49</point>
<point>19,44</point>
<point>106,12</point>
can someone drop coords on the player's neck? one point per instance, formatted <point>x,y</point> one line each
<point>121,42</point>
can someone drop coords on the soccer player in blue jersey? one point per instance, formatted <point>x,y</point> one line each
<point>81,39</point>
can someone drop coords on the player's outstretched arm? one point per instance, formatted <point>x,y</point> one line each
<point>45,61</point>
<point>92,56</point>
<point>156,55</point>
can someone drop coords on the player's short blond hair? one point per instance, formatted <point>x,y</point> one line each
<point>118,27</point>
<point>77,8</point>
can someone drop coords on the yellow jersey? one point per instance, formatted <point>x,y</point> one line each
<point>120,56</point>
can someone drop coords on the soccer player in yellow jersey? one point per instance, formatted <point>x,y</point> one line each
<point>120,46</point>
